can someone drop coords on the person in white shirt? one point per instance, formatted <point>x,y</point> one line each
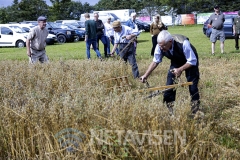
<point>109,33</point>
<point>122,38</point>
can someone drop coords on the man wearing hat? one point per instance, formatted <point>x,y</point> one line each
<point>122,37</point>
<point>236,29</point>
<point>36,42</point>
<point>216,20</point>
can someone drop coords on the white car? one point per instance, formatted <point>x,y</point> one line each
<point>11,35</point>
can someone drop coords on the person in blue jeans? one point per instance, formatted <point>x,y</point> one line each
<point>100,34</point>
<point>183,57</point>
<point>109,33</point>
<point>91,36</point>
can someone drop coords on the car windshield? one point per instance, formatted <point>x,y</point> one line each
<point>18,29</point>
<point>54,25</point>
<point>71,26</point>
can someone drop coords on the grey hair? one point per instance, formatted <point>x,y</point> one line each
<point>164,36</point>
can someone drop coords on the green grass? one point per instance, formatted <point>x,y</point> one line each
<point>77,50</point>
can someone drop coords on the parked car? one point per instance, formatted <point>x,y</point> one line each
<point>51,38</point>
<point>80,32</point>
<point>227,27</point>
<point>63,35</point>
<point>143,25</point>
<point>11,35</point>
<point>81,24</point>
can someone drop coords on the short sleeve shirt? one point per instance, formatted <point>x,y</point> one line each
<point>217,20</point>
<point>37,37</point>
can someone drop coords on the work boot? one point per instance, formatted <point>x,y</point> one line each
<point>170,108</point>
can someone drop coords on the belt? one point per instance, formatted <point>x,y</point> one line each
<point>37,50</point>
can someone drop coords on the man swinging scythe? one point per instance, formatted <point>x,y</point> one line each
<point>183,57</point>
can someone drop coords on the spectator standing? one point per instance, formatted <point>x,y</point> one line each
<point>216,20</point>
<point>109,32</point>
<point>236,29</point>
<point>132,24</point>
<point>91,36</point>
<point>155,28</point>
<point>36,42</point>
<point>100,34</point>
<point>183,57</point>
<point>122,36</point>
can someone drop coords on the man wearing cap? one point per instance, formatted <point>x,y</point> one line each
<point>122,37</point>
<point>236,29</point>
<point>216,20</point>
<point>36,42</point>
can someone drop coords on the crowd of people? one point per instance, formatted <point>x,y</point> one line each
<point>182,54</point>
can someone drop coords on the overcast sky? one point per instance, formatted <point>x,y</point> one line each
<point>5,3</point>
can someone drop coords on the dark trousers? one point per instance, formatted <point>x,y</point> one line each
<point>104,41</point>
<point>236,37</point>
<point>192,75</point>
<point>129,55</point>
<point>154,43</point>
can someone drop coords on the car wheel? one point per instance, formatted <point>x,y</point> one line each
<point>61,39</point>
<point>20,44</point>
<point>77,38</point>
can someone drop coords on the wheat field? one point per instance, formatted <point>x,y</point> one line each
<point>64,109</point>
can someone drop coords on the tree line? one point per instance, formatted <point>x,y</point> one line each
<point>68,9</point>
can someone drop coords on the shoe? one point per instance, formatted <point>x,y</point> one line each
<point>213,54</point>
<point>237,48</point>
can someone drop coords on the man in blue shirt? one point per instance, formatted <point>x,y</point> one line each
<point>183,57</point>
<point>132,24</point>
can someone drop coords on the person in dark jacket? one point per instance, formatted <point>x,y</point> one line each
<point>100,34</point>
<point>183,57</point>
<point>91,36</point>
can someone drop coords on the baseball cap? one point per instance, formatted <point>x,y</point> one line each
<point>116,24</point>
<point>41,18</point>
<point>216,6</point>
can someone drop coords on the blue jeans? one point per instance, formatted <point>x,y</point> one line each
<point>192,75</point>
<point>92,42</point>
<point>104,41</point>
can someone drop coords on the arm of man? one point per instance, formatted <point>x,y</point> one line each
<point>100,25</point>
<point>29,38</point>
<point>156,60</point>
<point>28,47</point>
<point>190,57</point>
<point>234,25</point>
<point>151,67</point>
<point>114,48</point>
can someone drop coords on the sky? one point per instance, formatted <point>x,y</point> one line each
<point>5,3</point>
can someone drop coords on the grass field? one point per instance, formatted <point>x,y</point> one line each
<point>47,108</point>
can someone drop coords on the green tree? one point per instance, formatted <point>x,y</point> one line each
<point>60,9</point>
<point>32,9</point>
<point>3,15</point>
